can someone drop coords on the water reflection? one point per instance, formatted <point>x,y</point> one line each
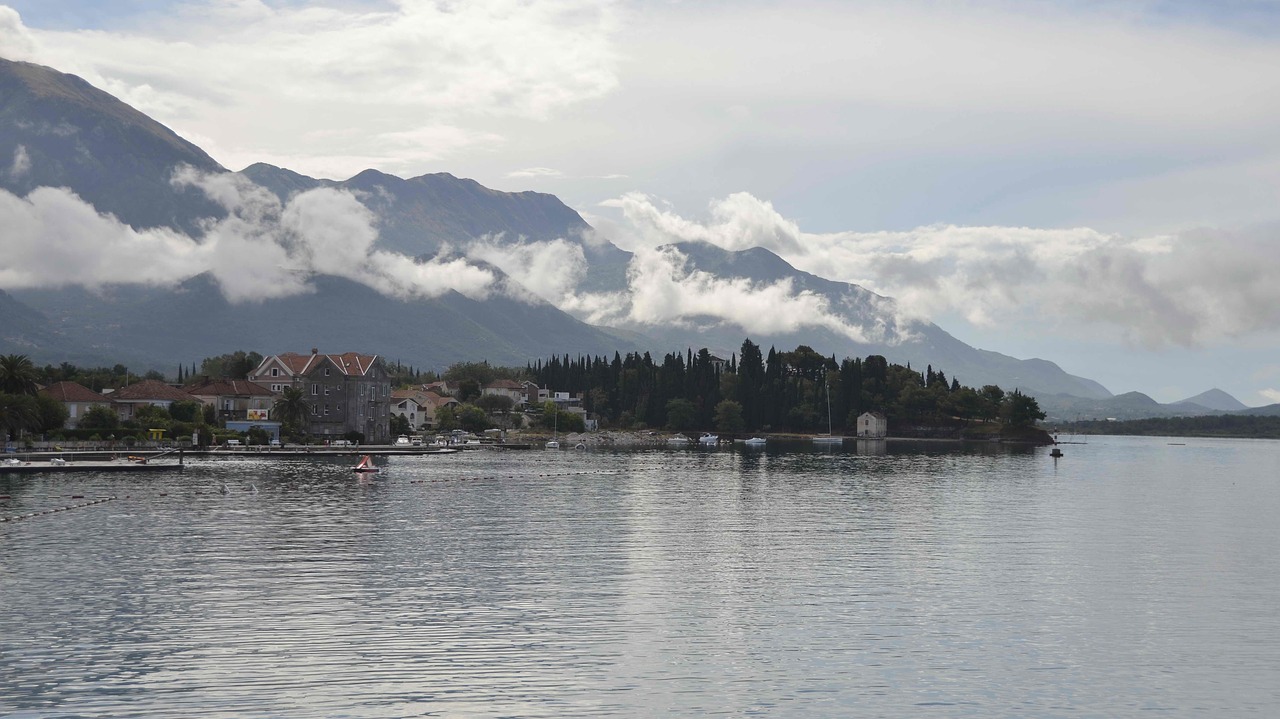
<point>789,581</point>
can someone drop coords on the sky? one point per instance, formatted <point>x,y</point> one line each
<point>1094,183</point>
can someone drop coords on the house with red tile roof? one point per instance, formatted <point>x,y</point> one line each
<point>506,388</point>
<point>347,392</point>
<point>434,402</point>
<point>413,405</point>
<point>444,388</point>
<point>76,398</point>
<point>234,399</point>
<point>151,392</point>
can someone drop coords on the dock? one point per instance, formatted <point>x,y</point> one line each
<point>119,465</point>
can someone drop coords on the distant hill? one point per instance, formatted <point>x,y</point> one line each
<point>1135,406</point>
<point>1215,399</point>
<point>1266,410</point>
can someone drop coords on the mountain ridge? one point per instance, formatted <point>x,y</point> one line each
<point>417,217</point>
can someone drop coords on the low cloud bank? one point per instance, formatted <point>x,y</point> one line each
<point>1182,289</point>
<point>262,249</point>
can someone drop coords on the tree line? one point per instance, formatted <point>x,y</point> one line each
<point>1226,425</point>
<point>781,391</point>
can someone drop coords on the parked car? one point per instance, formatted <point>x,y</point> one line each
<point>274,443</point>
<point>402,440</point>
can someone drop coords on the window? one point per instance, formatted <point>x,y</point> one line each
<point>326,410</point>
<point>315,390</point>
<point>326,391</point>
<point>276,388</point>
<point>338,408</point>
<point>314,410</point>
<point>326,371</point>
<point>275,371</point>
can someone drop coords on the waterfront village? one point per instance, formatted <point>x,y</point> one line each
<point>352,398</point>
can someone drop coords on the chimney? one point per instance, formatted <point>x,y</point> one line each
<point>315,351</point>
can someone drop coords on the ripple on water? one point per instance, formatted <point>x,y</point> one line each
<point>952,582</point>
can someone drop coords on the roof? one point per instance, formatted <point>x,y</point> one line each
<point>416,395</point>
<point>353,363</point>
<point>436,400</point>
<point>72,392</point>
<point>150,389</point>
<point>349,363</point>
<point>229,387</point>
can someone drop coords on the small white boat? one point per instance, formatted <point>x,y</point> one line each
<point>755,442</point>
<point>678,439</point>
<point>709,439</point>
<point>580,445</point>
<point>828,439</point>
<point>553,444</point>
<point>366,466</point>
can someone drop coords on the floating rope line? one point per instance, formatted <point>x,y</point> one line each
<point>17,517</point>
<point>598,473</point>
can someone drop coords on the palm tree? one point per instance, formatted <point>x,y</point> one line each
<point>18,413</point>
<point>17,375</point>
<point>292,409</point>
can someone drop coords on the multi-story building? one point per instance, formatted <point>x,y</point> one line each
<point>235,399</point>
<point>412,404</point>
<point>348,392</point>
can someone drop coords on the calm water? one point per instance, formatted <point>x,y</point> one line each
<point>1132,577</point>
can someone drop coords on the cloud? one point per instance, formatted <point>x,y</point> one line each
<point>53,238</point>
<point>262,249</point>
<point>21,163</point>
<point>1179,289</point>
<point>16,42</point>
<point>550,271</point>
<point>664,290</point>
<point>535,172</point>
<point>417,78</point>
<point>1271,395</point>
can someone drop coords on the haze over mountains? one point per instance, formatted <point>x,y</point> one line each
<point>126,243</point>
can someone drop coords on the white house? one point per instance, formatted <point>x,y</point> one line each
<point>872,425</point>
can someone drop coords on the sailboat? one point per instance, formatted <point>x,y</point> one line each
<point>555,431</point>
<point>366,466</point>
<point>827,438</point>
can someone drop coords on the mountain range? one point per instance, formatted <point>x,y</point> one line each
<point>58,131</point>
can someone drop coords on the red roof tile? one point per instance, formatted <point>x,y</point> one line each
<point>149,389</point>
<point>229,387</point>
<point>72,392</point>
<point>349,363</point>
